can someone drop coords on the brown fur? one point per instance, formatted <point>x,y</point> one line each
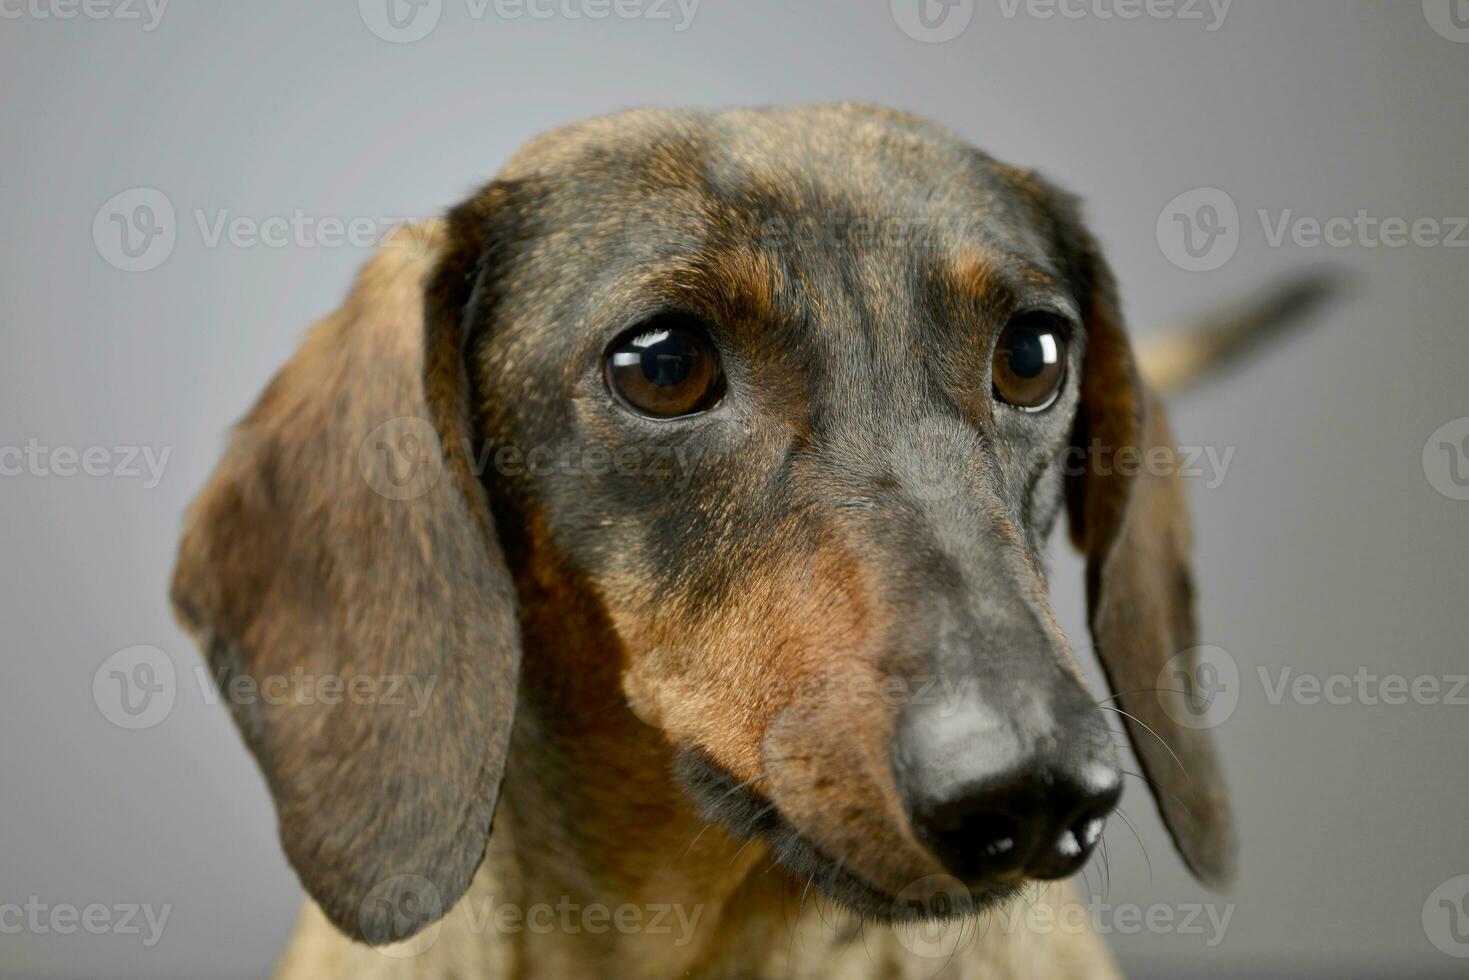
<point>746,654</point>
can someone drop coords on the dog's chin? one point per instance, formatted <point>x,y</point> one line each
<point>805,864</point>
<point>746,813</point>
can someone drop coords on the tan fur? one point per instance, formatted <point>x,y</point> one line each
<point>752,922</point>
<point>815,943</point>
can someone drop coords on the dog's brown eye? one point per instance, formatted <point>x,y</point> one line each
<point>665,368</point>
<point>1030,362</point>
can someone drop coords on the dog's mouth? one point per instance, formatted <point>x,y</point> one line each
<point>749,814</point>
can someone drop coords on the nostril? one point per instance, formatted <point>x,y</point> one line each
<point>1045,823</point>
<point>997,837</point>
<point>1087,832</point>
<point>976,842</point>
<point>1069,850</point>
<point>1105,790</point>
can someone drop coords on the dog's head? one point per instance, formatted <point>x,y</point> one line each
<point>765,418</point>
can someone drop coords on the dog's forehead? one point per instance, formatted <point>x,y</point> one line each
<point>840,175</point>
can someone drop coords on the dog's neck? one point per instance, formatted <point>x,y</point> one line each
<point>593,827</point>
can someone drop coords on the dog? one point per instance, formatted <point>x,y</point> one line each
<point>698,473</point>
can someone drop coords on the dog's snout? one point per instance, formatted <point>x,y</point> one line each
<point>996,796</point>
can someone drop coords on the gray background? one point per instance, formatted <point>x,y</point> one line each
<point>1325,549</point>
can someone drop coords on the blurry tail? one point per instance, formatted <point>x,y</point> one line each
<point>1176,361</point>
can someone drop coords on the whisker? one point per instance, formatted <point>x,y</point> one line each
<point>721,798</point>
<point>862,931</point>
<point>1146,690</point>
<point>1141,846</point>
<point>1161,740</point>
<point>835,872</point>
<point>958,944</point>
<point>745,785</point>
<point>710,823</point>
<point>796,922</point>
<point>752,838</point>
<point>1146,782</point>
<point>697,836</point>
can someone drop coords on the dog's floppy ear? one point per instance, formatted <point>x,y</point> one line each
<point>341,573</point>
<point>1129,515</point>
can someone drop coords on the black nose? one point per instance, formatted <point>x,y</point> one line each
<point>996,796</point>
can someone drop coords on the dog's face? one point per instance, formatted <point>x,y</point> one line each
<point>829,365</point>
<point>779,409</point>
